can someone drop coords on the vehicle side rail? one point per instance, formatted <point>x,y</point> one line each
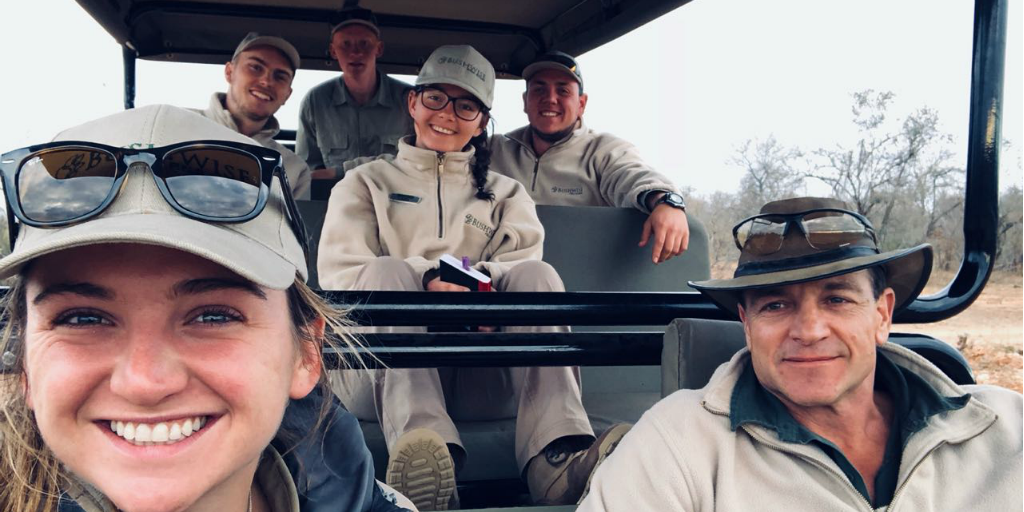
<point>477,349</point>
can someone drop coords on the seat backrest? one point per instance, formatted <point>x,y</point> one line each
<point>694,348</point>
<point>592,248</point>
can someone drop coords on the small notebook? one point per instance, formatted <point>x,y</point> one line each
<point>456,271</point>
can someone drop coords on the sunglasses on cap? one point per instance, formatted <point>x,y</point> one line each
<point>823,228</point>
<point>60,183</point>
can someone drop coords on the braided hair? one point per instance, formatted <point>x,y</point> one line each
<point>481,162</point>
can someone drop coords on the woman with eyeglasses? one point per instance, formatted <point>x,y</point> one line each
<point>158,325</point>
<point>388,224</point>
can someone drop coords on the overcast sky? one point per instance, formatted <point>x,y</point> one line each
<point>687,89</point>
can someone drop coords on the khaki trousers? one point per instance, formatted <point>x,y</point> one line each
<point>545,401</point>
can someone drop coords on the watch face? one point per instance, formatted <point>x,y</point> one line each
<point>673,199</point>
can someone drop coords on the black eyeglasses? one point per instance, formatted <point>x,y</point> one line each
<point>823,228</point>
<point>467,109</point>
<point>60,183</point>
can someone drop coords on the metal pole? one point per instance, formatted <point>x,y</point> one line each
<point>981,206</point>
<point>128,55</point>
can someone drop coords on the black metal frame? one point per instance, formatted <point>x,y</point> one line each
<point>452,309</point>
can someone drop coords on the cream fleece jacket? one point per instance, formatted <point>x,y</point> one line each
<point>584,169</point>
<point>682,456</point>
<point>300,178</point>
<point>419,205</point>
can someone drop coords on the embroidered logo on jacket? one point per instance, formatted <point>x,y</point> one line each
<point>574,191</point>
<point>476,223</point>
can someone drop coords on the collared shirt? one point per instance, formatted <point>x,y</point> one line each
<point>333,129</point>
<point>299,175</point>
<point>913,401</point>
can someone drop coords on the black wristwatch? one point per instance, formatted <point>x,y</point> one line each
<point>672,199</point>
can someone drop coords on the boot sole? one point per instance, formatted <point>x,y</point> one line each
<point>421,468</point>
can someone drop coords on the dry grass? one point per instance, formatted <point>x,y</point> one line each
<point>989,333</point>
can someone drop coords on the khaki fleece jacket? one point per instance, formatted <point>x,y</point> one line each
<point>272,476</point>
<point>419,205</point>
<point>682,456</point>
<point>584,169</point>
<point>300,177</point>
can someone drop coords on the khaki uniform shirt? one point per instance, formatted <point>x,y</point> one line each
<point>333,129</point>
<point>422,204</point>
<point>299,176</point>
<point>584,169</point>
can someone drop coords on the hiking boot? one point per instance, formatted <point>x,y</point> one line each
<point>558,477</point>
<point>420,467</point>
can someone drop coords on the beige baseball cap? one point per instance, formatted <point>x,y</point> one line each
<point>256,39</point>
<point>463,66</point>
<point>264,250</point>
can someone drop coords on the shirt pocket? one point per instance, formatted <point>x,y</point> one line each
<point>389,144</point>
<point>339,152</point>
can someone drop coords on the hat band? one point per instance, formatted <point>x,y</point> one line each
<point>812,260</point>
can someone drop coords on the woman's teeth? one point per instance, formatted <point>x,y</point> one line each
<point>442,130</point>
<point>147,434</point>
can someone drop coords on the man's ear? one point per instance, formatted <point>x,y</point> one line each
<point>884,307</point>
<point>743,320</point>
<point>524,101</point>
<point>583,103</point>
<point>309,364</point>
<point>228,70</point>
<point>380,49</point>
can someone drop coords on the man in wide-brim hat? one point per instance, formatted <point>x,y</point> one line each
<point>819,411</point>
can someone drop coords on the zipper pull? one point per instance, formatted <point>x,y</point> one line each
<point>440,162</point>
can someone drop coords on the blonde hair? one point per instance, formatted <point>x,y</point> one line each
<point>32,478</point>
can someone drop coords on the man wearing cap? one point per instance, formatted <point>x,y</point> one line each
<point>362,113</point>
<point>259,82</point>
<point>820,411</point>
<point>562,162</point>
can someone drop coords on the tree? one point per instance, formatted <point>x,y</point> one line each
<point>770,173</point>
<point>902,173</point>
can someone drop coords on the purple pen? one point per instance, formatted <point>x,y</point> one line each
<point>465,262</point>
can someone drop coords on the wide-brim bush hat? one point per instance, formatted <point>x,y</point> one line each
<point>264,249</point>
<point>463,66</point>
<point>797,261</point>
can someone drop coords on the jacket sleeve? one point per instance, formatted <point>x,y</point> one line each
<point>305,136</point>
<point>622,175</point>
<point>302,187</point>
<point>519,237</point>
<point>641,475</point>
<point>350,236</point>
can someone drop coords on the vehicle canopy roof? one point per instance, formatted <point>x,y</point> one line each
<point>509,34</point>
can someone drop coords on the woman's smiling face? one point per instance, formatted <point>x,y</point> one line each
<point>442,130</point>
<point>155,375</point>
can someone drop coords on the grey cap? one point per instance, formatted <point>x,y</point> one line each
<point>560,61</point>
<point>357,16</point>
<point>263,250</point>
<point>463,66</point>
<point>257,39</point>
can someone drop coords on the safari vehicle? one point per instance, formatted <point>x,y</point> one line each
<point>639,333</point>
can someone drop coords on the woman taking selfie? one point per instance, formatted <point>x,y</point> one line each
<point>388,224</point>
<point>158,323</point>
